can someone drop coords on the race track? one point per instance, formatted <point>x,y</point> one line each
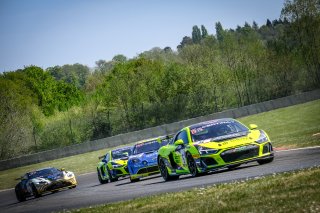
<point>90,192</point>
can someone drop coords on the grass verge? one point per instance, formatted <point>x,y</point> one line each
<point>290,127</point>
<point>287,127</point>
<point>288,192</point>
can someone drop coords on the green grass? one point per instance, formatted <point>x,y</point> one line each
<point>288,192</point>
<point>290,127</point>
<point>287,127</point>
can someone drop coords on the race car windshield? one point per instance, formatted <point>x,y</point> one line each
<point>121,153</point>
<point>146,147</point>
<point>43,173</point>
<point>217,131</point>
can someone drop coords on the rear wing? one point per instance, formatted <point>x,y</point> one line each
<point>166,139</point>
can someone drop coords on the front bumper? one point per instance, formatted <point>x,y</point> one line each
<point>233,156</point>
<point>145,172</point>
<point>56,185</point>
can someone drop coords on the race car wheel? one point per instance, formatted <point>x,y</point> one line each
<point>234,166</point>
<point>134,180</point>
<point>35,192</point>
<point>100,179</point>
<point>164,172</point>
<point>110,176</point>
<point>264,161</point>
<point>20,196</point>
<point>192,165</point>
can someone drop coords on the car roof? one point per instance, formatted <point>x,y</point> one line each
<point>210,122</point>
<point>152,139</point>
<point>120,148</point>
<point>37,170</point>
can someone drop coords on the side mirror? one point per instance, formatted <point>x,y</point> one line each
<point>101,157</point>
<point>178,142</point>
<point>253,126</point>
<point>62,169</point>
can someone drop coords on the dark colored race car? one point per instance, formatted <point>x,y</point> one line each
<point>42,181</point>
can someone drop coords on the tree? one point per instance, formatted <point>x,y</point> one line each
<point>219,32</point>
<point>15,116</point>
<point>185,41</point>
<point>269,24</point>
<point>303,33</point>
<point>196,34</point>
<point>119,58</point>
<point>204,32</point>
<point>75,74</point>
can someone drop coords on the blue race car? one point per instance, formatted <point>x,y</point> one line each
<point>143,161</point>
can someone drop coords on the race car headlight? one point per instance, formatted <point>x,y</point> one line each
<point>69,175</point>
<point>116,165</point>
<point>205,151</point>
<point>135,160</point>
<point>262,138</point>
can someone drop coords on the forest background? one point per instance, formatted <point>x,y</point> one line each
<point>64,105</point>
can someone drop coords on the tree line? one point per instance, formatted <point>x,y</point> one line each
<point>64,105</point>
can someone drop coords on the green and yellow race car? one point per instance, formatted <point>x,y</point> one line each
<point>213,145</point>
<point>113,165</point>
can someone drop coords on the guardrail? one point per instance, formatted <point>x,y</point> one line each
<point>165,129</point>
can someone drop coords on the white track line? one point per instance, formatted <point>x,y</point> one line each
<point>287,150</point>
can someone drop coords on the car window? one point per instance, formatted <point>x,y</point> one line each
<point>121,153</point>
<point>43,173</point>
<point>146,147</point>
<point>217,130</point>
<point>184,136</point>
<point>106,158</point>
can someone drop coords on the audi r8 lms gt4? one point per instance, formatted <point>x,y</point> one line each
<point>114,165</point>
<point>212,145</point>
<point>44,180</point>
<point>143,161</point>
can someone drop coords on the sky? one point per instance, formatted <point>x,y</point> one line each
<point>47,33</point>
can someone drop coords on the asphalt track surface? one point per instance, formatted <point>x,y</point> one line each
<point>90,192</point>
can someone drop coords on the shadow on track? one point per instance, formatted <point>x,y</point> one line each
<point>222,170</point>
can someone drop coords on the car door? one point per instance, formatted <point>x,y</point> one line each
<point>179,155</point>
<point>104,167</point>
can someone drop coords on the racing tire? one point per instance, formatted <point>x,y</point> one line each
<point>264,161</point>
<point>134,180</point>
<point>233,166</point>
<point>35,192</point>
<point>164,172</point>
<point>20,196</point>
<point>110,177</point>
<point>192,166</point>
<point>99,177</point>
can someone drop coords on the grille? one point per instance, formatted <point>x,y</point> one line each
<point>58,184</point>
<point>148,169</point>
<point>240,153</point>
<point>209,161</point>
<point>117,172</point>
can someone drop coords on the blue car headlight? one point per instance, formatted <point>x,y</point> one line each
<point>262,138</point>
<point>206,151</point>
<point>135,160</point>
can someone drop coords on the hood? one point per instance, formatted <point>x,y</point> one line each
<point>120,161</point>
<point>231,140</point>
<point>146,155</point>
